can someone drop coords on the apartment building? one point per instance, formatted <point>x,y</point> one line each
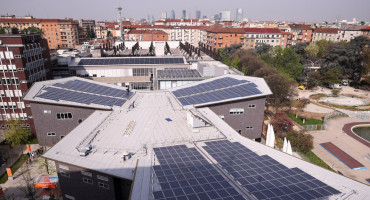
<point>366,32</point>
<point>147,35</point>
<point>59,33</point>
<point>24,59</point>
<point>182,22</point>
<point>83,27</point>
<point>301,33</point>
<point>256,36</point>
<point>349,32</point>
<point>330,34</point>
<point>220,37</point>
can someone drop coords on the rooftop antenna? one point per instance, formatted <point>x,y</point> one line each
<point>120,22</point>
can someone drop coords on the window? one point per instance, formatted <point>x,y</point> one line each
<point>64,115</point>
<point>47,111</point>
<point>103,185</point>
<point>3,105</point>
<point>103,178</point>
<point>251,105</point>
<point>222,117</point>
<point>236,111</point>
<point>50,134</point>
<point>249,128</point>
<point>6,81</point>
<point>15,81</point>
<point>85,173</point>
<point>18,93</point>
<point>65,174</point>
<point>86,180</point>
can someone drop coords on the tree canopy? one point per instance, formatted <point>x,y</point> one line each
<point>16,135</point>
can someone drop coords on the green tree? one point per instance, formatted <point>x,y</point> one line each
<point>312,50</point>
<point>235,62</point>
<point>15,30</point>
<point>16,135</point>
<point>262,48</point>
<point>324,46</point>
<point>314,79</point>
<point>2,30</point>
<point>33,29</point>
<point>332,76</point>
<point>300,48</point>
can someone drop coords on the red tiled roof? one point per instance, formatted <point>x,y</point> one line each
<point>134,31</point>
<point>366,29</point>
<point>326,30</point>
<point>21,20</point>
<point>262,30</point>
<point>225,30</point>
<point>182,20</point>
<point>300,26</point>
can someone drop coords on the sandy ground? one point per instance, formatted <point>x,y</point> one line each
<point>357,150</point>
<point>317,109</point>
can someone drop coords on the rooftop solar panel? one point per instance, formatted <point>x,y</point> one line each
<point>130,61</point>
<point>263,176</point>
<point>183,173</point>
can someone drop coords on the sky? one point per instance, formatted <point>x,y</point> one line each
<point>255,10</point>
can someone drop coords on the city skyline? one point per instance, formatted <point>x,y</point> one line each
<point>269,10</point>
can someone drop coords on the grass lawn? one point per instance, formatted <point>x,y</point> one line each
<point>15,167</point>
<point>309,121</point>
<point>318,96</point>
<point>312,158</point>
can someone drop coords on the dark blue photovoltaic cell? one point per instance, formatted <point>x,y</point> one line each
<point>183,173</point>
<point>217,90</point>
<point>86,93</point>
<point>130,61</point>
<point>265,177</point>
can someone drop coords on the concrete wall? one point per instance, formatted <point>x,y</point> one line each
<point>72,184</point>
<point>48,122</point>
<point>251,116</point>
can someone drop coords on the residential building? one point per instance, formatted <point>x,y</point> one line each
<point>220,37</point>
<point>286,39</point>
<point>179,143</point>
<point>330,34</point>
<point>348,32</point>
<point>147,35</point>
<point>24,60</point>
<point>301,33</point>
<point>366,31</point>
<point>226,15</point>
<point>239,14</point>
<point>256,36</point>
<point>59,33</point>
<point>84,27</point>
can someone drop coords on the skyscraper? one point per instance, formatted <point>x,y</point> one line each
<point>197,14</point>
<point>239,15</point>
<point>226,15</point>
<point>173,14</point>
<point>164,15</point>
<point>183,14</point>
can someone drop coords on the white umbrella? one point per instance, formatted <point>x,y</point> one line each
<point>268,134</point>
<point>272,137</point>
<point>285,145</point>
<point>289,149</point>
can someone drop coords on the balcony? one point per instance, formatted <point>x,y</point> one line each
<point>220,37</point>
<point>220,42</point>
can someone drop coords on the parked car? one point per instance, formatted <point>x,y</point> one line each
<point>345,82</point>
<point>335,86</point>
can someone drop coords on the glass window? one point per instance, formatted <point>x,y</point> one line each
<point>236,111</point>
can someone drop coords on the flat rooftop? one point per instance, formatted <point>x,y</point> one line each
<point>153,122</point>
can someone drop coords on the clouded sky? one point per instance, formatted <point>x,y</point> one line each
<point>289,10</point>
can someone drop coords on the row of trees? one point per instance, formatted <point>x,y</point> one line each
<point>15,30</point>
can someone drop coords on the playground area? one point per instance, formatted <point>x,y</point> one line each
<point>345,100</point>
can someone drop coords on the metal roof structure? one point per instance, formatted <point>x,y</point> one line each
<point>128,61</point>
<point>171,159</point>
<point>178,73</point>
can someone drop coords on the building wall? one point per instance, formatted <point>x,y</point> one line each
<point>252,117</point>
<point>29,62</point>
<point>81,184</point>
<point>45,120</point>
<point>301,35</point>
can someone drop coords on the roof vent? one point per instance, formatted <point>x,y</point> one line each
<point>126,155</point>
<point>85,150</point>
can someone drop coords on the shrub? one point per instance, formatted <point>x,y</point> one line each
<point>282,123</point>
<point>300,141</point>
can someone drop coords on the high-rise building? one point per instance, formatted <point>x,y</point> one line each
<point>239,15</point>
<point>226,15</point>
<point>173,16</point>
<point>24,59</point>
<point>197,14</point>
<point>183,14</point>
<point>164,15</point>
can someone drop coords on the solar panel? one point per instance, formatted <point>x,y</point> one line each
<point>183,173</point>
<point>265,177</point>
<point>129,61</point>
<point>216,90</point>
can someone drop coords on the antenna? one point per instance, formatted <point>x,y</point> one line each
<point>120,22</point>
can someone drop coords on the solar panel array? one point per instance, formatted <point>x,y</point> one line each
<point>178,73</point>
<point>265,177</point>
<point>131,61</point>
<point>184,173</point>
<point>217,90</point>
<point>85,93</point>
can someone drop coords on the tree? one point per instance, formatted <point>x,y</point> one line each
<point>235,62</point>
<point>16,134</point>
<point>312,50</point>
<point>109,34</point>
<point>28,188</point>
<point>332,76</point>
<point>282,124</point>
<point>15,30</point>
<point>314,79</point>
<point>323,46</point>
<point>262,48</point>
<point>300,105</point>
<point>2,30</point>
<point>300,48</point>
<point>300,141</point>
<point>33,29</point>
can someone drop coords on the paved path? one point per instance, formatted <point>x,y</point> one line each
<point>357,150</point>
<point>317,109</point>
